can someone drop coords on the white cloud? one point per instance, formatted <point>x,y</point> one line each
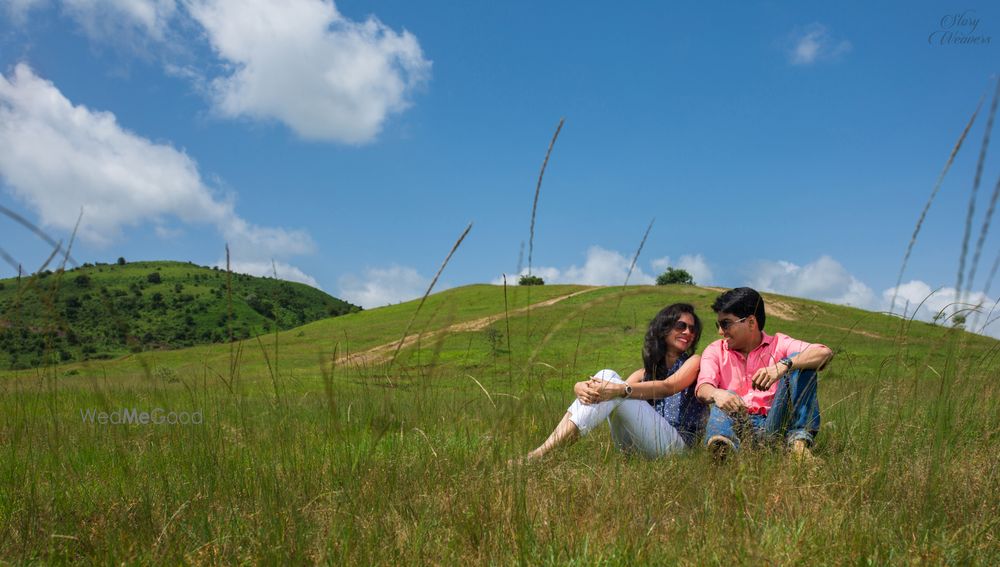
<point>248,240</point>
<point>917,299</point>
<point>825,280</point>
<point>18,10</point>
<point>814,43</point>
<point>694,264</point>
<point>298,62</point>
<point>267,270</point>
<point>110,19</point>
<point>303,63</point>
<point>601,267</point>
<point>383,286</point>
<point>60,158</point>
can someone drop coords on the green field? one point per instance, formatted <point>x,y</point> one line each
<point>317,445</point>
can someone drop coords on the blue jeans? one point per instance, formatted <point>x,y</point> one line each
<point>794,415</point>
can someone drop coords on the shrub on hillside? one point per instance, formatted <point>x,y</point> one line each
<point>528,279</point>
<point>674,276</point>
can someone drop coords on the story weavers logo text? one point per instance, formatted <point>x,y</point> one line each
<point>959,28</point>
<point>132,416</point>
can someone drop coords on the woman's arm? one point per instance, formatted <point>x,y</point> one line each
<point>654,389</point>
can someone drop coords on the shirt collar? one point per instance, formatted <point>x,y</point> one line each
<point>765,340</point>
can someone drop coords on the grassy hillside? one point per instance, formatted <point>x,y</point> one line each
<point>313,447</point>
<point>105,310</point>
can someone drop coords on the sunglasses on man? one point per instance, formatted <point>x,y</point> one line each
<point>724,324</point>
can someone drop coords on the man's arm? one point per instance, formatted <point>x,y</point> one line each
<point>813,357</point>
<point>707,391</point>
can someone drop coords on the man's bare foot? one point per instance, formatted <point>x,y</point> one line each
<point>524,459</point>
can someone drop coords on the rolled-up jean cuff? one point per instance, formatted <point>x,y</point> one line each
<point>800,435</point>
<point>581,426</point>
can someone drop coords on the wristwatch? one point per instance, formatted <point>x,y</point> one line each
<point>628,390</point>
<point>787,362</point>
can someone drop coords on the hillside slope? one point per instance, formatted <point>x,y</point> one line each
<point>550,332</point>
<point>106,310</point>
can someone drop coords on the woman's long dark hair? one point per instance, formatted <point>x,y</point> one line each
<point>654,349</point>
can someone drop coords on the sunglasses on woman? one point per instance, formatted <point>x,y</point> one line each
<point>681,326</point>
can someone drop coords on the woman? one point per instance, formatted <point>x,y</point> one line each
<point>655,411</point>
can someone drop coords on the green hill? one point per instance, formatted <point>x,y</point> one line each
<point>105,310</point>
<point>476,330</point>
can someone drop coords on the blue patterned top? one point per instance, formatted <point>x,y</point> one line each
<point>682,410</point>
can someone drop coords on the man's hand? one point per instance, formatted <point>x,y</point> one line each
<point>728,401</point>
<point>765,377</point>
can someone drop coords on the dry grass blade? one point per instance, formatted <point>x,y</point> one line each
<point>927,206</point>
<point>229,315</point>
<point>39,232</point>
<point>993,271</point>
<point>428,439</point>
<point>506,320</point>
<point>9,259</point>
<point>485,391</point>
<point>638,251</point>
<point>993,198</point>
<point>635,259</point>
<point>538,189</point>
<point>52,256</point>
<point>72,239</point>
<point>987,220</point>
<point>975,192</point>
<point>428,292</point>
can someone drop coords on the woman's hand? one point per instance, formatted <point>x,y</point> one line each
<point>595,391</point>
<point>602,391</point>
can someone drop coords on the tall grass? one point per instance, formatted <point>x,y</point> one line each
<point>315,459</point>
<point>340,468</point>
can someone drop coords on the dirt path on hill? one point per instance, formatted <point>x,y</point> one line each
<point>383,352</point>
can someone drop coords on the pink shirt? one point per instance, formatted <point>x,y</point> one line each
<point>730,370</point>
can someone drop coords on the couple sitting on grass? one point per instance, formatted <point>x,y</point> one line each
<point>747,387</point>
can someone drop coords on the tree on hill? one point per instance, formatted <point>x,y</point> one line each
<point>529,279</point>
<point>121,260</point>
<point>674,276</point>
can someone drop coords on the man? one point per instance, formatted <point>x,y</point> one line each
<point>761,387</point>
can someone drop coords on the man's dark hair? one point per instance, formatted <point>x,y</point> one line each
<point>742,302</point>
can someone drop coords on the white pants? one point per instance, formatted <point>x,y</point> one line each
<point>635,425</point>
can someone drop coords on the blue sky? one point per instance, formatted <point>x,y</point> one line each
<point>785,145</point>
